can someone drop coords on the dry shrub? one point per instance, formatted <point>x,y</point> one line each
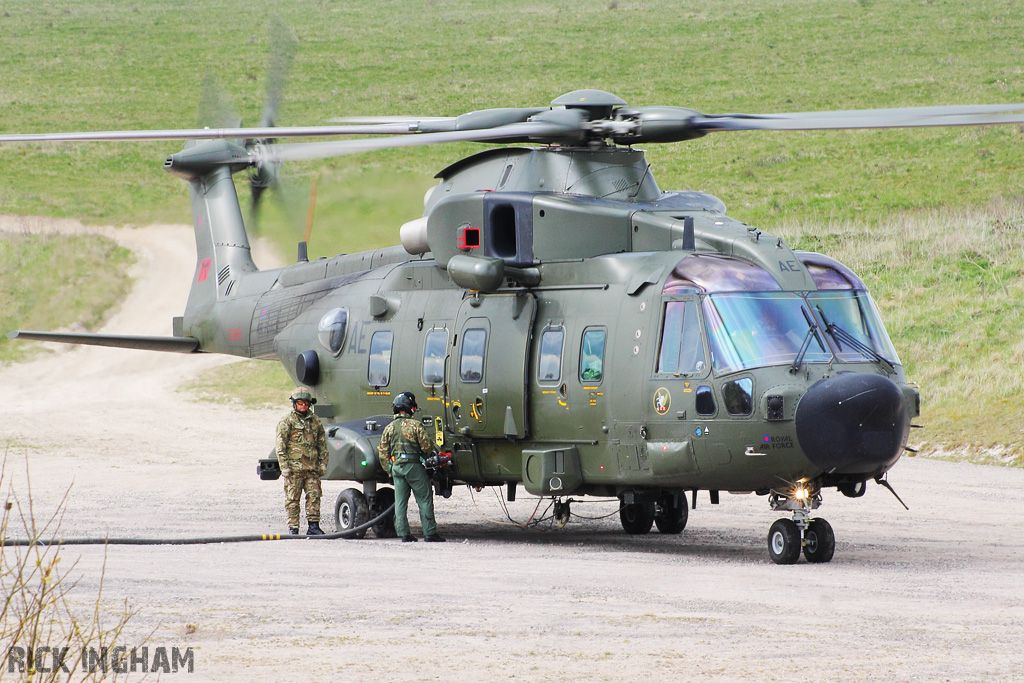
<point>44,634</point>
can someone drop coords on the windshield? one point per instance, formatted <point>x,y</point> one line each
<point>752,329</point>
<point>854,313</point>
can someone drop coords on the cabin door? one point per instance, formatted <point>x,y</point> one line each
<point>488,365</point>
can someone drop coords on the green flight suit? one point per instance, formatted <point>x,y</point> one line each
<point>403,445</point>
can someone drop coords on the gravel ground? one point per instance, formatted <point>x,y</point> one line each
<point>934,593</point>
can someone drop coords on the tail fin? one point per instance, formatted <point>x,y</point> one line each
<point>222,245</point>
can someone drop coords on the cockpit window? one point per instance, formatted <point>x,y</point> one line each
<point>828,278</point>
<point>853,313</point>
<point>682,350</point>
<point>750,330</point>
<point>705,401</point>
<point>828,273</point>
<point>713,273</point>
<point>738,396</point>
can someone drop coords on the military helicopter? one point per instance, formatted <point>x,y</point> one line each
<point>566,323</point>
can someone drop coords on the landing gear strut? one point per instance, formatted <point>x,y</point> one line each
<point>787,537</point>
<point>562,513</point>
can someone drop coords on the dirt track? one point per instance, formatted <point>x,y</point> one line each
<point>930,594</point>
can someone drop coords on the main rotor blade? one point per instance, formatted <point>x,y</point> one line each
<point>475,120</point>
<point>306,151</point>
<point>408,120</point>
<point>908,117</point>
<point>207,133</point>
<point>947,110</point>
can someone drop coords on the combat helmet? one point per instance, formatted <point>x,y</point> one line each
<point>302,394</point>
<point>405,402</point>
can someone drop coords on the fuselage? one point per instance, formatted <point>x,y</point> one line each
<point>654,369</point>
<point>622,339</point>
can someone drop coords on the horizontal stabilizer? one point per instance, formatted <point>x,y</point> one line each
<point>172,344</point>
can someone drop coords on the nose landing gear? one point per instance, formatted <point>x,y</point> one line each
<point>786,538</point>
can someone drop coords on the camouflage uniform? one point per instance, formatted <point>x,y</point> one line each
<point>403,445</point>
<point>302,454</point>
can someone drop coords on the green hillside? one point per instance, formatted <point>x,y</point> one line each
<point>931,218</point>
<point>48,281</point>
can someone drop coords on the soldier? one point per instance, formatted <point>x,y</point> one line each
<point>302,454</point>
<point>403,446</point>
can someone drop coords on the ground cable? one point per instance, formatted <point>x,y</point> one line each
<point>21,542</point>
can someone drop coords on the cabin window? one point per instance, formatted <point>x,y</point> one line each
<point>471,360</point>
<point>549,369</point>
<point>705,401</point>
<point>434,350</point>
<point>331,330</point>
<point>682,350</point>
<point>379,374</point>
<point>592,355</point>
<point>738,396</point>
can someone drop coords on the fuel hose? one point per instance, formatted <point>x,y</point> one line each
<point>21,542</point>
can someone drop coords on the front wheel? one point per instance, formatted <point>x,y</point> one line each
<point>637,518</point>
<point>819,541</point>
<point>784,542</point>
<point>351,511</point>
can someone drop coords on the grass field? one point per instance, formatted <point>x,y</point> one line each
<point>930,218</point>
<point>48,282</point>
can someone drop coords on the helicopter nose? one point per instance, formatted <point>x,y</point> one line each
<point>853,423</point>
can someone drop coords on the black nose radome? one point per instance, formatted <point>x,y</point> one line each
<point>853,424</point>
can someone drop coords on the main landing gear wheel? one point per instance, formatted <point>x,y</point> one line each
<point>350,511</point>
<point>671,514</point>
<point>382,500</point>
<point>784,542</point>
<point>637,518</point>
<point>819,541</point>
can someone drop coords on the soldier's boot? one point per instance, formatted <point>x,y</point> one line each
<point>408,538</point>
<point>314,529</point>
<point>293,532</point>
<point>434,538</point>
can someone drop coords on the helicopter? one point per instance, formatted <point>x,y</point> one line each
<point>568,325</point>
